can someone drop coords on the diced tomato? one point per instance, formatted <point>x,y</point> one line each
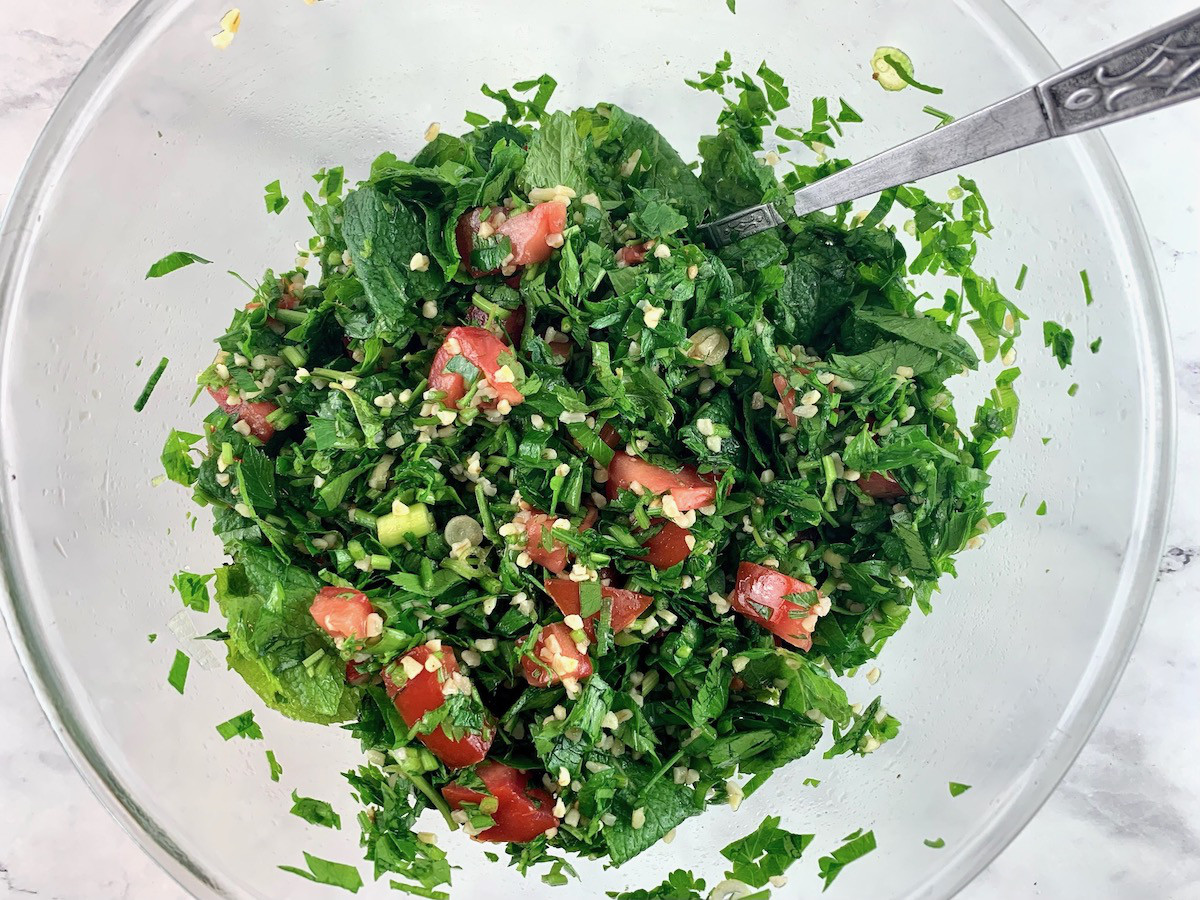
<point>509,327</point>
<point>422,692</point>
<point>253,413</point>
<point>342,612</point>
<point>527,233</point>
<point>483,350</point>
<point>787,397</point>
<point>626,605</point>
<point>555,557</point>
<point>523,813</point>
<point>668,547</point>
<point>464,238</point>
<point>759,595</point>
<point>355,676</point>
<point>609,435</point>
<point>529,230</point>
<point>881,486</point>
<point>557,650</point>
<point>633,255</point>
<point>688,488</point>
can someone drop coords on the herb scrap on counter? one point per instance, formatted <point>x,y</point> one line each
<point>956,788</point>
<point>569,520</point>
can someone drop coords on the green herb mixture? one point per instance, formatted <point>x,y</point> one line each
<point>802,374</point>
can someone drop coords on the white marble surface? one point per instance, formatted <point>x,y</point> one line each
<point>1125,822</point>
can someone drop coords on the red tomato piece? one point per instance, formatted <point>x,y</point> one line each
<point>253,413</point>
<point>523,813</point>
<point>342,612</point>
<point>557,650</point>
<point>668,547</point>
<point>759,595</point>
<point>423,691</point>
<point>626,605</point>
<point>509,327</point>
<point>464,238</point>
<point>555,557</point>
<point>787,397</point>
<point>881,486</point>
<point>687,487</point>
<point>355,676</point>
<point>633,255</point>
<point>483,350</point>
<point>529,231</point>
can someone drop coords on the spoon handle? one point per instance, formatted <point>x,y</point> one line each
<point>1155,69</point>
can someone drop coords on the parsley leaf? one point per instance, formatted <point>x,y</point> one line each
<point>177,677</point>
<point>173,261</point>
<point>322,871</point>
<point>856,846</point>
<point>274,199</point>
<point>765,853</point>
<point>241,726</point>
<point>316,812</point>
<point>1060,341</point>
<point>956,788</point>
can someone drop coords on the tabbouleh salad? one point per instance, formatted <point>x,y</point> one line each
<point>570,519</point>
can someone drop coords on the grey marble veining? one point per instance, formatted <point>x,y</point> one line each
<point>1125,823</point>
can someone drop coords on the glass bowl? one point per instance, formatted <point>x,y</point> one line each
<point>165,143</point>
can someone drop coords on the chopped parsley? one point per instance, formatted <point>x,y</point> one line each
<point>322,871</point>
<point>358,454</point>
<point>1094,346</point>
<point>151,383</point>
<point>956,788</point>
<point>765,854</point>
<point>274,199</point>
<point>1041,510</point>
<point>1060,341</point>
<point>316,812</point>
<point>193,590</point>
<point>936,843</point>
<point>275,767</point>
<point>173,261</point>
<point>854,846</point>
<point>177,677</point>
<point>679,885</point>
<point>241,726</point>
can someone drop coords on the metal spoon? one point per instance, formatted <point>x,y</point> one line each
<point>1155,69</point>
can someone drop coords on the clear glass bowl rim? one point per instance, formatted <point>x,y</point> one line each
<point>52,153</point>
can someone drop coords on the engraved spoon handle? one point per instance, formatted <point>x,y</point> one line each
<point>1153,70</point>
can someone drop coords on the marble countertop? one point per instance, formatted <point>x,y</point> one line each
<point>1126,820</point>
